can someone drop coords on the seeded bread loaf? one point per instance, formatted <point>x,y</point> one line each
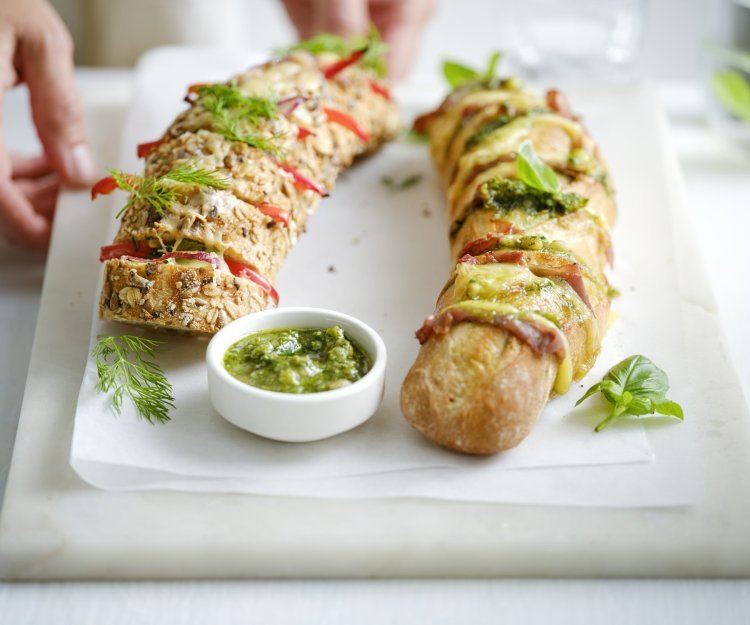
<point>269,170</point>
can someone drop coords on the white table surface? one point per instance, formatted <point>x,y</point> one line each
<point>718,185</point>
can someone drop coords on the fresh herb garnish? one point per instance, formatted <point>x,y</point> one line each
<point>124,367</point>
<point>635,386</point>
<point>732,89</point>
<point>159,192</point>
<point>457,74</point>
<point>221,97</point>
<point>373,59</point>
<point>534,172</point>
<point>231,109</point>
<point>390,183</point>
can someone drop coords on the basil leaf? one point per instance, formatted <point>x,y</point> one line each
<point>670,408</point>
<point>733,91</point>
<point>533,171</point>
<point>635,386</point>
<point>492,64</point>
<point>458,74</point>
<point>589,393</point>
<point>639,376</point>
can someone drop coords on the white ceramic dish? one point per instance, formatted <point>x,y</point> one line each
<point>286,416</point>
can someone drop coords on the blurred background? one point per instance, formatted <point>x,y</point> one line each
<point>669,34</point>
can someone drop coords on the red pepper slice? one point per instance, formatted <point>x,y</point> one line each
<point>144,149</point>
<point>275,213</point>
<point>332,70</point>
<point>141,249</point>
<point>192,91</point>
<point>381,90</point>
<point>347,121</point>
<point>105,186</point>
<point>196,86</point>
<point>243,271</point>
<point>302,182</point>
<point>303,132</point>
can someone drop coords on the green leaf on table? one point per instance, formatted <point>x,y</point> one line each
<point>733,91</point>
<point>392,184</point>
<point>635,386</point>
<point>533,171</point>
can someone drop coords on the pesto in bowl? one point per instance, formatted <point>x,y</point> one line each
<point>297,360</point>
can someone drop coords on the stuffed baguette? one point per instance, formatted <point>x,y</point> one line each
<point>526,305</point>
<point>229,187</point>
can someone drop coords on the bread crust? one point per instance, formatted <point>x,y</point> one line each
<point>198,300</point>
<point>474,389</point>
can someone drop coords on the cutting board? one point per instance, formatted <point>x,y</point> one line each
<point>54,526</point>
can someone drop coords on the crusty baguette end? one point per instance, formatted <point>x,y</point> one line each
<point>483,404</point>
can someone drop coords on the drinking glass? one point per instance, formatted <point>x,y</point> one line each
<point>592,39</point>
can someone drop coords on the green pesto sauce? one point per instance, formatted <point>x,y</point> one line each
<point>490,127</point>
<point>498,122</point>
<point>504,195</point>
<point>297,360</point>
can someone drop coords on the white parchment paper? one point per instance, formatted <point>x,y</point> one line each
<point>382,256</point>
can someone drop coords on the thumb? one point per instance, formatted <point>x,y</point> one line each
<point>46,65</point>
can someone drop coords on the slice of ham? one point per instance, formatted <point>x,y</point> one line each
<point>569,271</point>
<point>513,257</point>
<point>481,245</point>
<point>542,339</point>
<point>557,101</point>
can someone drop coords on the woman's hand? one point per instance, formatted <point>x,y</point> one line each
<point>400,23</point>
<point>36,49</point>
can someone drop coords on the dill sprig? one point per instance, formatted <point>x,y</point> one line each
<point>124,367</point>
<point>159,192</point>
<point>231,109</point>
<point>373,59</point>
<point>221,97</point>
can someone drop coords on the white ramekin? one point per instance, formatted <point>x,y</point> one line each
<point>288,416</point>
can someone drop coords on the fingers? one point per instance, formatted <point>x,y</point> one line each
<point>340,17</point>
<point>45,61</point>
<point>401,24</point>
<point>30,166</point>
<point>42,193</point>
<point>20,223</point>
